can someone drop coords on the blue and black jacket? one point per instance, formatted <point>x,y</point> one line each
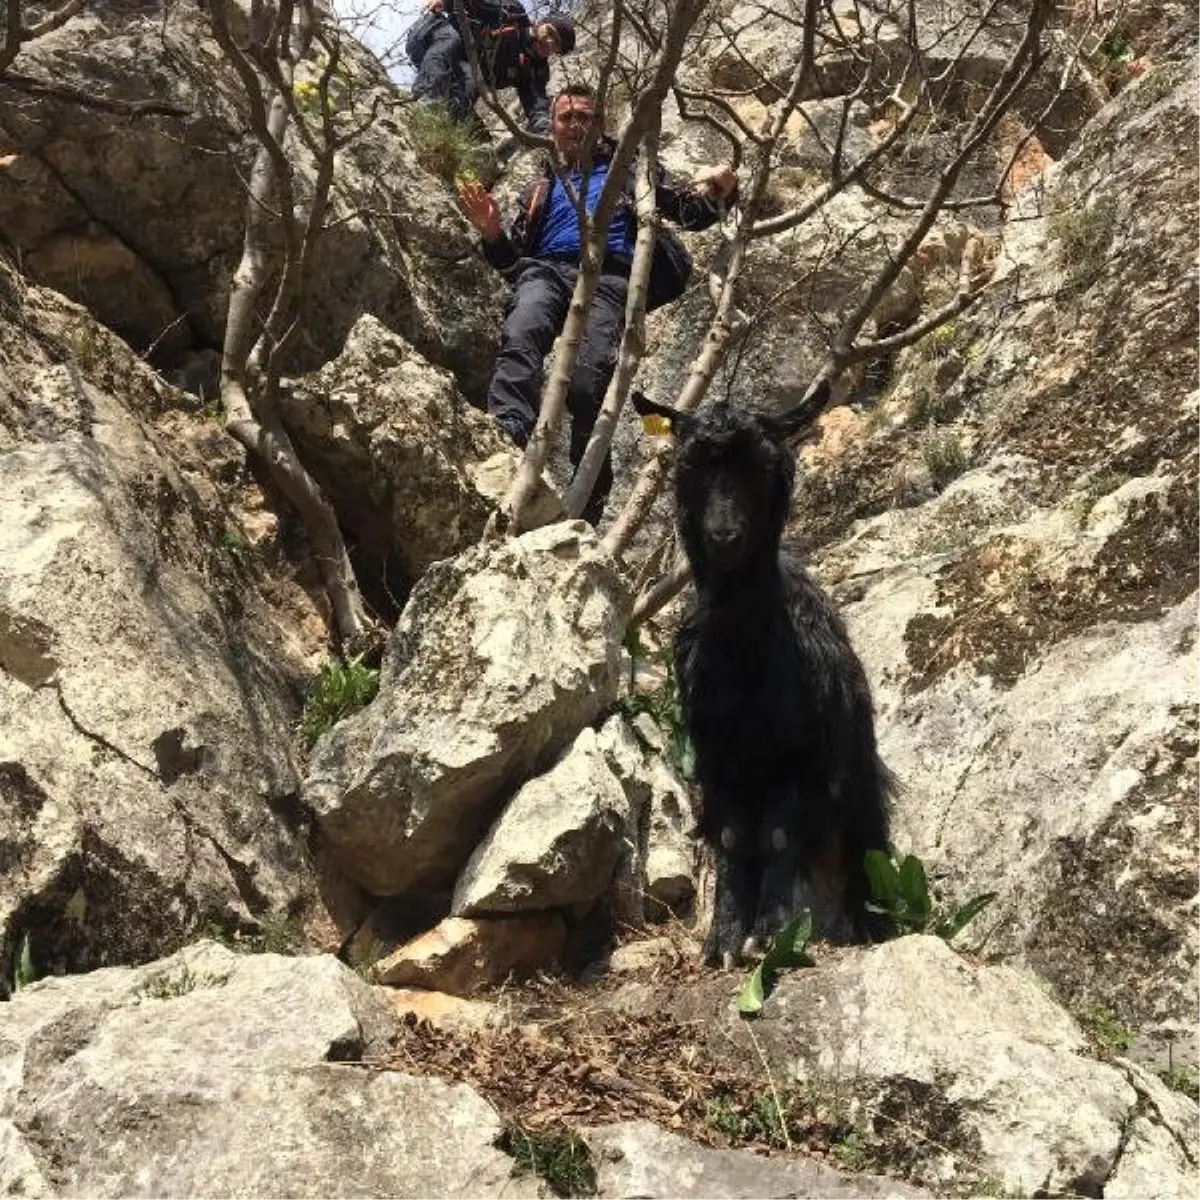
<point>686,206</point>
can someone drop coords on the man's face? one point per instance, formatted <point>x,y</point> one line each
<point>573,117</point>
<point>545,38</point>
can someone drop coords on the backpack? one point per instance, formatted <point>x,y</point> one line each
<point>420,35</point>
<point>670,269</point>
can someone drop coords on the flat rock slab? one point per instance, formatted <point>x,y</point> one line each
<point>216,1074</point>
<point>636,1158</point>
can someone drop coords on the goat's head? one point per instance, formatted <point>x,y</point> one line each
<point>733,481</point>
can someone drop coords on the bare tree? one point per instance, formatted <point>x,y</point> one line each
<point>290,118</point>
<point>908,73</point>
<point>643,116</point>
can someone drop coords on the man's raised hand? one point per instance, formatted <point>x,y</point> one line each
<point>478,206</point>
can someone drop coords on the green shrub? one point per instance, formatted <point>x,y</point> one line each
<point>1182,1078</point>
<point>167,985</point>
<point>762,1121</point>
<point>1082,235</point>
<point>445,147</point>
<point>1094,489</point>
<point>944,455</point>
<point>340,689</point>
<point>560,1157</point>
<point>900,891</point>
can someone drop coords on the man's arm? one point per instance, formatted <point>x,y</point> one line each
<point>480,208</point>
<point>694,205</point>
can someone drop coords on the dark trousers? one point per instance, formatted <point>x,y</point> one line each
<point>445,71</point>
<point>537,309</point>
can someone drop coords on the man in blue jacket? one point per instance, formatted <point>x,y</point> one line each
<point>540,255</point>
<point>512,51</point>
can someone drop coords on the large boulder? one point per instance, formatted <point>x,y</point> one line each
<point>411,468</point>
<point>135,656</point>
<point>93,202</point>
<point>211,1073</point>
<point>500,658</point>
<point>1029,626</point>
<point>955,1073</point>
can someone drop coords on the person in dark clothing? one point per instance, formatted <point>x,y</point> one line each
<point>512,50</point>
<point>540,255</point>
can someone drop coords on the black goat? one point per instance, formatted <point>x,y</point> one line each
<point>775,699</point>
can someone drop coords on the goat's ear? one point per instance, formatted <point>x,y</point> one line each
<point>789,423</point>
<point>676,422</point>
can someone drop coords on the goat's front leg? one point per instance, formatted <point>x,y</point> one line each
<point>783,856</point>
<point>736,896</point>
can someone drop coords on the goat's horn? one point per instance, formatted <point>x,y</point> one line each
<point>805,413</point>
<point>676,421</point>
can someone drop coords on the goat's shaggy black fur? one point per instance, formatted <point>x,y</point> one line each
<point>775,699</point>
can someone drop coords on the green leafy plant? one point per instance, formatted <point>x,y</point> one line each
<point>1107,1028</point>
<point>340,689</point>
<point>786,951</point>
<point>900,891</point>
<point>1113,57</point>
<point>662,705</point>
<point>167,985</point>
<point>24,972</point>
<point>444,147</point>
<point>560,1157</point>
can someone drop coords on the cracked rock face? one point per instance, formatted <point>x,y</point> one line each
<point>146,705</point>
<point>1029,624</point>
<point>211,1073</point>
<point>412,469</point>
<point>93,202</point>
<point>500,658</point>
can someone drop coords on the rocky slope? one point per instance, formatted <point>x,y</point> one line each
<point>1006,512</point>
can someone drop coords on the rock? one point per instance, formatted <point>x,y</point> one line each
<point>1028,629</point>
<point>635,1158</point>
<point>961,1070</point>
<point>654,873</point>
<point>444,1011</point>
<point>649,954</point>
<point>411,468</point>
<point>500,658</point>
<point>461,956</point>
<point>211,1073</point>
<point>93,203</point>
<point>670,859</point>
<point>135,656</point>
<point>555,845</point>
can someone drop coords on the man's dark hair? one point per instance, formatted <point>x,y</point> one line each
<point>581,91</point>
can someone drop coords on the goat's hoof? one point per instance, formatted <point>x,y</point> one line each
<point>724,948</point>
